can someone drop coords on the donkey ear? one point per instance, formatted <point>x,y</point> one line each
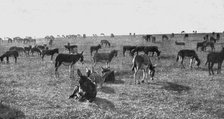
<point>79,73</point>
<point>82,52</point>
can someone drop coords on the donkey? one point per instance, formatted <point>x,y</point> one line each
<point>42,47</point>
<point>153,39</point>
<point>129,48</point>
<point>152,49</point>
<point>94,48</point>
<point>165,37</point>
<point>188,53</point>
<point>86,90</point>
<point>212,39</point>
<point>201,44</point>
<point>27,49</point>
<point>11,53</point>
<point>95,77</point>
<point>213,58</point>
<point>108,74</point>
<point>179,43</point>
<point>107,57</point>
<point>147,37</point>
<point>70,48</point>
<point>106,42</point>
<point>143,62</point>
<point>137,50</point>
<point>68,59</point>
<point>50,52</point>
<point>35,49</point>
<point>18,49</point>
<point>211,44</point>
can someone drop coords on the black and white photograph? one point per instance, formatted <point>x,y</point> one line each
<point>111,59</point>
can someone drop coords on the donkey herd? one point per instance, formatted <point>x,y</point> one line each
<point>88,84</point>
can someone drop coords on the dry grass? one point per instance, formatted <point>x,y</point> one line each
<point>29,88</point>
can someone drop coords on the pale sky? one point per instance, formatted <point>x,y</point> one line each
<point>60,17</point>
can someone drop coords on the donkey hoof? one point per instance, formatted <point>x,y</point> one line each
<point>143,81</point>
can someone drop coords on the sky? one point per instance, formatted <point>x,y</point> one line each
<point>38,18</point>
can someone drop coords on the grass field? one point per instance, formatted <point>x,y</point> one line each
<point>29,88</point>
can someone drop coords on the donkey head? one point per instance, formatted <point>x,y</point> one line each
<point>114,52</point>
<point>81,57</point>
<point>104,70</point>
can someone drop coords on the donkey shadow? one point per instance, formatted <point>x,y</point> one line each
<point>170,86</point>
<point>107,90</point>
<point>6,112</point>
<point>104,104</point>
<point>167,57</point>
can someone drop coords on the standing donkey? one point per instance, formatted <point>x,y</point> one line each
<point>104,57</point>
<point>213,58</point>
<point>188,53</point>
<point>70,60</point>
<point>143,62</point>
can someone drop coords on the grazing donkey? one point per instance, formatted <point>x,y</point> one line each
<point>94,48</point>
<point>11,53</point>
<point>137,50</point>
<point>153,39</point>
<point>129,48</point>
<point>18,49</point>
<point>152,49</point>
<point>213,58</point>
<point>188,53</point>
<point>201,44</point>
<point>67,59</point>
<point>50,52</point>
<point>86,90</point>
<point>70,48</point>
<point>147,37</point>
<point>107,57</point>
<point>143,62</point>
<point>211,44</point>
<point>27,49</point>
<point>106,42</point>
<point>35,49</point>
<point>179,43</point>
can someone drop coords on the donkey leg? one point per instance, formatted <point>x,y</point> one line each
<point>209,68</point>
<point>219,68</point>
<point>15,59</point>
<point>143,75</point>
<point>182,62</point>
<point>191,61</point>
<point>52,57</point>
<point>57,64</point>
<point>212,64</point>
<point>71,71</point>
<point>135,76</point>
<point>7,59</point>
